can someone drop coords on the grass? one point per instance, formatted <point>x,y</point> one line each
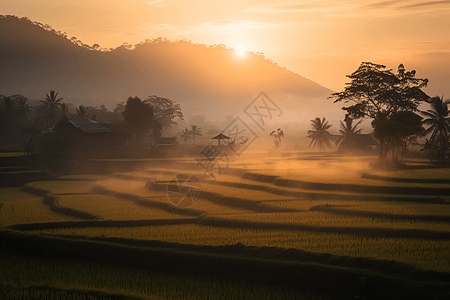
<point>424,254</point>
<point>401,208</point>
<point>60,187</point>
<point>23,208</point>
<point>111,208</point>
<point>324,219</point>
<point>11,154</point>
<point>49,278</point>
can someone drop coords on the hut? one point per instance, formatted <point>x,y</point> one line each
<point>358,143</point>
<point>220,137</point>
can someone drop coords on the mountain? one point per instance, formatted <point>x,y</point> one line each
<point>205,80</point>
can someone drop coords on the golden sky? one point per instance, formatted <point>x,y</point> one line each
<point>322,40</point>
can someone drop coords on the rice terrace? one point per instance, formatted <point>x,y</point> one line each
<point>224,150</point>
<point>294,226</point>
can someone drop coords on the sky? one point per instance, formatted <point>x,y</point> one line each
<point>322,40</point>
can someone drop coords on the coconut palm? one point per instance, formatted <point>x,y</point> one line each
<point>82,111</point>
<point>24,108</point>
<point>52,104</point>
<point>320,137</point>
<point>347,128</point>
<point>196,131</point>
<point>65,110</point>
<point>438,117</point>
<point>185,134</point>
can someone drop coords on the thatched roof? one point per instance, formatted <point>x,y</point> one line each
<point>84,124</point>
<point>221,137</point>
<point>355,142</point>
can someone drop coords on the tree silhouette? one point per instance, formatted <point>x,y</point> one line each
<point>82,111</point>
<point>377,93</point>
<point>438,117</point>
<point>347,128</point>
<point>139,115</point>
<point>65,110</point>
<point>320,137</point>
<point>24,108</point>
<point>277,136</point>
<point>164,110</point>
<point>185,134</point>
<point>196,131</point>
<point>399,131</point>
<point>52,105</point>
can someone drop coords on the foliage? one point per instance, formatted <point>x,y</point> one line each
<point>139,115</point>
<point>65,110</point>
<point>320,136</point>
<point>377,93</point>
<point>185,134</point>
<point>82,111</point>
<point>29,146</point>
<point>195,130</point>
<point>438,117</point>
<point>164,110</point>
<point>52,105</point>
<point>348,128</point>
<point>437,148</point>
<point>277,136</point>
<point>400,130</point>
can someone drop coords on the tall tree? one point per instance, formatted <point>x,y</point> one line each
<point>52,104</point>
<point>377,93</point>
<point>8,111</point>
<point>82,111</point>
<point>139,115</point>
<point>320,136</point>
<point>65,110</point>
<point>185,134</point>
<point>347,128</point>
<point>437,118</point>
<point>164,110</point>
<point>195,130</point>
<point>399,131</point>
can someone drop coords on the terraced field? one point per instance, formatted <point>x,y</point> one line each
<point>258,207</point>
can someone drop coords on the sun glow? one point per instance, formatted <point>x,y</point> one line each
<point>240,50</point>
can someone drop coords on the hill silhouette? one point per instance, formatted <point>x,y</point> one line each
<point>204,79</point>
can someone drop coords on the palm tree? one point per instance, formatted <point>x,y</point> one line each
<point>347,128</point>
<point>185,134</point>
<point>320,135</point>
<point>438,117</point>
<point>8,110</point>
<point>52,104</point>
<point>24,108</point>
<point>65,110</point>
<point>196,131</point>
<point>82,110</point>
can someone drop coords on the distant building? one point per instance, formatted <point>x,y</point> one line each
<point>358,143</point>
<point>166,142</point>
<point>84,134</point>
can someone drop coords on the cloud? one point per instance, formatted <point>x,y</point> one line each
<point>239,25</point>
<point>156,3</point>
<point>351,8</point>
<point>293,7</point>
<point>429,4</point>
<point>406,5</point>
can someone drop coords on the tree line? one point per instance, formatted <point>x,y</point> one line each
<point>391,101</point>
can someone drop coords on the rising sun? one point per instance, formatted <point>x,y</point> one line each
<point>240,50</point>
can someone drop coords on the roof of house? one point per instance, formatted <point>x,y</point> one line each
<point>357,141</point>
<point>220,137</point>
<point>120,128</point>
<point>84,124</point>
<point>166,141</point>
